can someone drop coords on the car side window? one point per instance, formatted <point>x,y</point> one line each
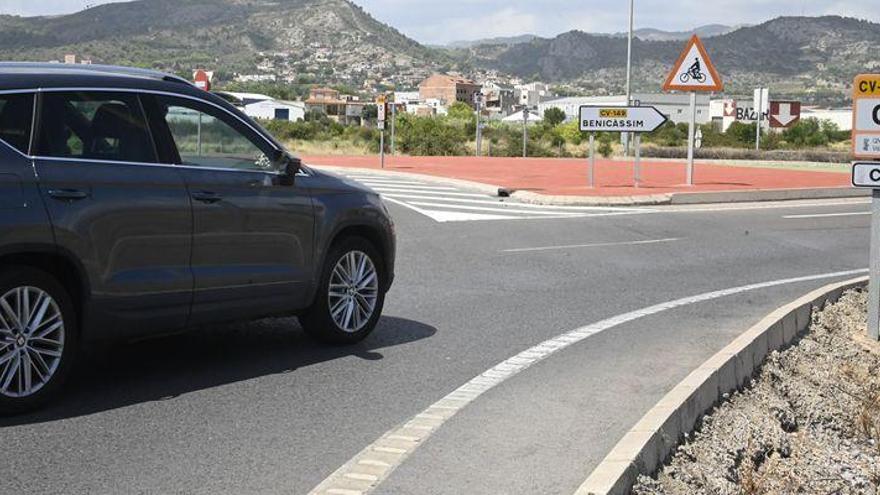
<point>207,137</point>
<point>16,119</point>
<point>95,125</point>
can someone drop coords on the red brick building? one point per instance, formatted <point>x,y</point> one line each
<point>448,89</point>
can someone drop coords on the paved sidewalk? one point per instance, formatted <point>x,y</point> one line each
<point>567,177</point>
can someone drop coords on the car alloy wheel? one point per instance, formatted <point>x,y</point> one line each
<point>32,336</point>
<point>353,291</point>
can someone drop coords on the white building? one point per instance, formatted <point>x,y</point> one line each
<point>517,118</point>
<point>675,106</point>
<point>840,116</point>
<point>532,94</point>
<point>276,110</point>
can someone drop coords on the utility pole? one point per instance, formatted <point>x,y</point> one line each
<point>525,132</point>
<point>629,47</point>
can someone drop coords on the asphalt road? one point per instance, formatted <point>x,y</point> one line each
<point>258,408</point>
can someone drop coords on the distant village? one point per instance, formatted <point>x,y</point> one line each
<point>500,98</point>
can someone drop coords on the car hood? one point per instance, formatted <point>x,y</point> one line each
<point>334,182</point>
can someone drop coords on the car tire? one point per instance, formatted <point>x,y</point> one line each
<point>339,313</point>
<point>37,355</point>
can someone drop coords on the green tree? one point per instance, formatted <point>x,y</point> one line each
<point>554,116</point>
<point>605,147</point>
<point>461,111</point>
<point>370,113</point>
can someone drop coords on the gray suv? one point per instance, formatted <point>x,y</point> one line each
<point>134,204</point>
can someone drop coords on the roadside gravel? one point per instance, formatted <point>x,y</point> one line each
<point>808,423</point>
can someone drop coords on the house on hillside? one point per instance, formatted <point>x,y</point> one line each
<point>448,89</point>
<point>340,108</point>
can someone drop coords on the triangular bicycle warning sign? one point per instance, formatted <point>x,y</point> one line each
<point>694,71</point>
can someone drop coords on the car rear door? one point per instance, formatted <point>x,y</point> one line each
<point>115,208</point>
<point>253,230</point>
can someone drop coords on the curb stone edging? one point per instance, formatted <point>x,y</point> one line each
<point>645,448</point>
<point>676,198</point>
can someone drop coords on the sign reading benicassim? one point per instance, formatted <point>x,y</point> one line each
<point>866,116</point>
<point>620,119</point>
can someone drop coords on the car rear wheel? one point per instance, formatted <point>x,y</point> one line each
<point>350,295</point>
<point>38,338</point>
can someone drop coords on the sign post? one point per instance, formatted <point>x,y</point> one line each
<point>637,120</point>
<point>380,107</point>
<point>866,145</point>
<point>693,72</point>
<point>591,173</point>
<point>393,120</point>
<point>478,102</point>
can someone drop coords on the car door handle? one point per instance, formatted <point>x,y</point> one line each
<point>68,194</point>
<point>207,197</point>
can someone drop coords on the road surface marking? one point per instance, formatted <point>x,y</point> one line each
<point>511,367</point>
<point>407,186</point>
<point>828,215</point>
<point>600,244</point>
<point>403,189</point>
<point>501,208</point>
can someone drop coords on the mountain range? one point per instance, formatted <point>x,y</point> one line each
<point>336,40</point>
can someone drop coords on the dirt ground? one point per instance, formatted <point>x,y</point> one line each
<point>809,422</point>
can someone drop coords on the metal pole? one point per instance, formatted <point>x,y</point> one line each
<point>382,147</point>
<point>874,283</point>
<point>760,119</point>
<point>637,172</point>
<point>629,45</point>
<point>393,119</point>
<point>591,173</point>
<point>479,126</point>
<point>691,130</point>
<point>525,133</point>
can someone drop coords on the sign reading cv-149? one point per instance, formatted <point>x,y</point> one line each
<point>866,116</point>
<point>620,119</point>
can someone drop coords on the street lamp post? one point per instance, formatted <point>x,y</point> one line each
<point>629,46</point>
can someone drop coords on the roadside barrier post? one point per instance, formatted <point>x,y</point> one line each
<point>866,174</point>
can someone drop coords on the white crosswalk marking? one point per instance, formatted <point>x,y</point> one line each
<point>447,203</point>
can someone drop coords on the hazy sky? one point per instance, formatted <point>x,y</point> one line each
<point>432,21</point>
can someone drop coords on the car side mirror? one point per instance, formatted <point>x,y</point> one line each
<point>289,168</point>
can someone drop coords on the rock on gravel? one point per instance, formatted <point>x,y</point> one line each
<point>808,423</point>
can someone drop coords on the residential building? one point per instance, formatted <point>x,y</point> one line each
<point>532,94</point>
<point>448,89</point>
<point>500,98</point>
<point>340,108</point>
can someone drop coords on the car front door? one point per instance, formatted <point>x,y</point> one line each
<point>125,217</point>
<point>253,229</point>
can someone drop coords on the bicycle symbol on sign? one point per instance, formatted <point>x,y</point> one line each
<point>695,72</point>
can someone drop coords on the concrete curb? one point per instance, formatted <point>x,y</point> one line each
<point>649,443</point>
<point>681,198</point>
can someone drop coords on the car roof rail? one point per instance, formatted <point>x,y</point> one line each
<point>110,70</point>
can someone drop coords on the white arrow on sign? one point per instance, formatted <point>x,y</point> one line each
<point>620,119</point>
<point>784,116</point>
